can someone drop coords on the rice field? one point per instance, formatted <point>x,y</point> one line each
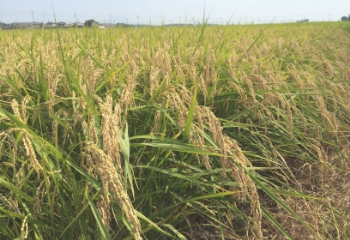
<point>205,132</point>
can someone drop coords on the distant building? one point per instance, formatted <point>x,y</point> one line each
<point>61,24</point>
<point>50,25</point>
<point>304,20</point>
<point>7,26</point>
<point>79,25</point>
<point>69,25</point>
<point>36,25</point>
<point>121,25</point>
<point>21,25</point>
<point>53,25</point>
<point>108,25</point>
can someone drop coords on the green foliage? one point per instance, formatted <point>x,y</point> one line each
<point>91,23</point>
<point>344,18</point>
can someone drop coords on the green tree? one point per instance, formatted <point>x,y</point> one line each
<point>345,18</point>
<point>91,23</point>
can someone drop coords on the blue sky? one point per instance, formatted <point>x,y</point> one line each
<point>136,11</point>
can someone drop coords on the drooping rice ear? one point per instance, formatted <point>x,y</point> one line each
<point>26,136</point>
<point>103,166</point>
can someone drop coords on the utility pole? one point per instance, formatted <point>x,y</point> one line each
<point>75,15</point>
<point>138,20</point>
<point>110,19</point>
<point>33,16</point>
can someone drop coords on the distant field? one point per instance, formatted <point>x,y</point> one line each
<point>227,132</point>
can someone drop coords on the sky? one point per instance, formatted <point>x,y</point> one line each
<point>170,11</point>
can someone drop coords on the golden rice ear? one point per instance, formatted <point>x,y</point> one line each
<point>103,166</point>
<point>325,115</point>
<point>39,195</point>
<point>55,126</point>
<point>210,73</point>
<point>177,105</point>
<point>238,163</point>
<point>26,136</point>
<point>157,120</point>
<point>110,130</point>
<point>203,87</point>
<point>196,137</point>
<point>24,228</point>
<point>248,81</point>
<point>234,159</point>
<point>154,80</point>
<point>162,62</point>
<point>52,85</point>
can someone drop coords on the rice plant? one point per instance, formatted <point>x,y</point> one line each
<point>199,132</point>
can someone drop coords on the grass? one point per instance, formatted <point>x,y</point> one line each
<point>228,132</point>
